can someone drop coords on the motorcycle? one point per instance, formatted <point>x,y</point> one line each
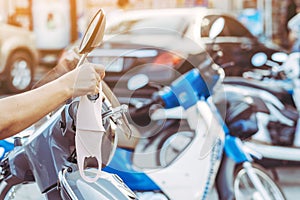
<point>278,137</point>
<point>282,72</point>
<point>276,82</point>
<point>49,157</point>
<point>182,160</point>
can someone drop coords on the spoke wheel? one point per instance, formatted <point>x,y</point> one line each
<point>245,190</point>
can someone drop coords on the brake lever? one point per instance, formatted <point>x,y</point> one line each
<point>116,114</point>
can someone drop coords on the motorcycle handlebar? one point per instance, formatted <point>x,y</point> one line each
<point>146,107</point>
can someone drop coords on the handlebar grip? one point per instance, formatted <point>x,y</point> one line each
<point>155,99</point>
<point>141,115</point>
<point>143,110</point>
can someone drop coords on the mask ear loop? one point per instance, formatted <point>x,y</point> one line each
<point>89,133</point>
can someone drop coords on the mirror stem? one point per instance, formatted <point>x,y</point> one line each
<point>82,58</point>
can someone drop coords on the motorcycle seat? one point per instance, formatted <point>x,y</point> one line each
<point>279,92</point>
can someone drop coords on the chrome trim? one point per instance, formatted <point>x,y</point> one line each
<point>63,181</point>
<point>279,116</point>
<point>248,90</point>
<point>255,180</point>
<point>275,152</point>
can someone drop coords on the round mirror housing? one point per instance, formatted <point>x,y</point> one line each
<point>94,34</point>
<point>217,27</point>
<point>259,59</point>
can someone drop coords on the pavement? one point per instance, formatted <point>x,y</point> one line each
<point>289,180</point>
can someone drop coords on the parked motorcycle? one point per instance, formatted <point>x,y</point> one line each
<point>182,159</point>
<point>277,139</point>
<point>283,72</point>
<point>49,157</point>
<point>271,82</point>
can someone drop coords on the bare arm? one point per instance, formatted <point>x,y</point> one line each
<point>66,63</point>
<point>22,110</point>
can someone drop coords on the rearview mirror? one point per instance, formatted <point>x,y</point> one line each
<point>259,59</point>
<point>94,34</point>
<point>217,27</point>
<point>279,56</point>
<point>92,38</point>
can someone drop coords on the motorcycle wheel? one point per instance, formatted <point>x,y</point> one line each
<point>245,190</point>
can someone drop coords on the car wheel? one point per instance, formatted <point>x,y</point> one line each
<point>19,72</point>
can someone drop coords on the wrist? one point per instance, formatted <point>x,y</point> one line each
<point>66,86</point>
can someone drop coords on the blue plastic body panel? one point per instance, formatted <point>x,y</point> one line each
<point>7,147</point>
<point>122,165</point>
<point>187,89</point>
<point>234,150</point>
<point>169,98</point>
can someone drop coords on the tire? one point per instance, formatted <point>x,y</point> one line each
<point>19,72</point>
<point>244,189</point>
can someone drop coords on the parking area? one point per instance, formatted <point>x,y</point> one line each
<point>290,182</point>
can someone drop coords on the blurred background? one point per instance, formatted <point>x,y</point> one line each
<point>266,17</point>
<point>57,24</point>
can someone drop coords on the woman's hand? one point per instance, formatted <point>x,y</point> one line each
<point>18,111</point>
<point>84,79</point>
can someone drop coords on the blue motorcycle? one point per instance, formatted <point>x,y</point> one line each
<point>185,157</point>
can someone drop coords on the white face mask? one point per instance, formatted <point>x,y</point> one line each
<point>89,133</point>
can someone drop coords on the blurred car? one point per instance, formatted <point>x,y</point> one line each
<point>166,42</point>
<point>172,35</point>
<point>18,58</point>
